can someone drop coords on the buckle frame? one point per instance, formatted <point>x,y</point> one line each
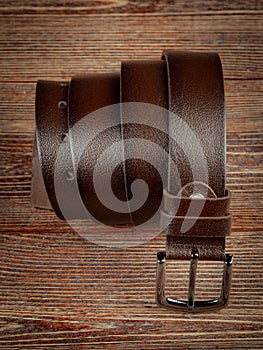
<point>191,305</point>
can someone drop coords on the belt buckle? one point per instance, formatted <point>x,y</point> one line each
<point>191,305</point>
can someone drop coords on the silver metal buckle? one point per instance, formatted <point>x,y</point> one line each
<point>191,305</point>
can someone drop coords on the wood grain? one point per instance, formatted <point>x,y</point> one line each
<point>60,291</point>
<point>127,7</point>
<point>65,45</point>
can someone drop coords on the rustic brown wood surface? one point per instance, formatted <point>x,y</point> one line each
<point>58,290</point>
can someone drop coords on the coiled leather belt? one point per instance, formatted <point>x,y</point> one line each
<point>195,212</point>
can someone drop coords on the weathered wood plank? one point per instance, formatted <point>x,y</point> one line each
<point>49,47</point>
<point>125,6</point>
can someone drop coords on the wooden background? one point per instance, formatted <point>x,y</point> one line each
<point>60,291</point>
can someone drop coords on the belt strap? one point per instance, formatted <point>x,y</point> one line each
<point>195,216</point>
<point>196,96</point>
<point>51,129</point>
<point>146,82</point>
<point>87,94</point>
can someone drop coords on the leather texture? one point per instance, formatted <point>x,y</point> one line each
<point>51,125</point>
<point>190,85</point>
<point>86,95</point>
<point>196,95</point>
<point>145,81</point>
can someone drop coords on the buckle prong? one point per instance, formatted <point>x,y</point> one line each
<point>192,279</point>
<point>191,305</point>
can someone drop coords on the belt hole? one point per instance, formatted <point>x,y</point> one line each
<point>70,176</point>
<point>64,138</point>
<point>62,104</point>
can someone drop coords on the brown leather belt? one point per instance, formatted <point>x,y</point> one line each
<point>195,212</point>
